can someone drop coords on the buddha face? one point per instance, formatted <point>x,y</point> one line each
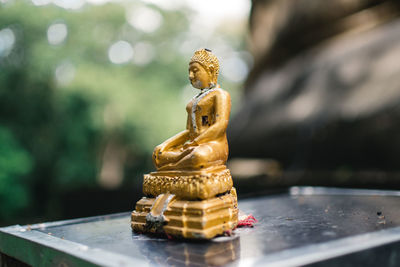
<point>199,77</point>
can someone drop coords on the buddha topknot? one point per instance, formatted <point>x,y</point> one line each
<point>206,59</point>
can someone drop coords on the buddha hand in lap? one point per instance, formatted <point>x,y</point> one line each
<point>203,144</point>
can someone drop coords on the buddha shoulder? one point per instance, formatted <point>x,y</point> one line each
<point>221,93</point>
<point>217,92</point>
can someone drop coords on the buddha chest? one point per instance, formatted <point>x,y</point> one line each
<point>201,110</point>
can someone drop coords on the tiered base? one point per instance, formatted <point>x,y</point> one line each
<point>202,219</point>
<point>191,185</point>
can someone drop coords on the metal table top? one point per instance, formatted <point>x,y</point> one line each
<point>307,225</point>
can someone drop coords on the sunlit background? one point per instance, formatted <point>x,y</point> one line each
<point>89,87</point>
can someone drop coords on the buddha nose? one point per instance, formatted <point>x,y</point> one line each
<point>191,75</point>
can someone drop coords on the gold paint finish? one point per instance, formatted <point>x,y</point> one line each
<point>191,193</point>
<point>189,185</point>
<point>203,144</point>
<point>203,219</point>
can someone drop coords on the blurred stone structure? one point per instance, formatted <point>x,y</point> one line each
<point>324,91</point>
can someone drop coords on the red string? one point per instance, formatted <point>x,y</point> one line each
<point>248,221</point>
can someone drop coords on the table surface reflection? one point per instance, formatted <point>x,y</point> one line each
<point>307,225</point>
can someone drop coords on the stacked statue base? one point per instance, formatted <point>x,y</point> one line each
<point>192,204</point>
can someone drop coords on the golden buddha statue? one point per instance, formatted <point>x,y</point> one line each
<point>191,169</point>
<point>203,144</point>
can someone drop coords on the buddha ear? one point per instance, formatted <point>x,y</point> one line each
<point>211,70</point>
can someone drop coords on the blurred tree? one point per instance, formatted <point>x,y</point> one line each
<point>15,163</point>
<point>85,95</point>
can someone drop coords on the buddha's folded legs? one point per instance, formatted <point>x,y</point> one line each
<point>198,157</point>
<point>162,158</point>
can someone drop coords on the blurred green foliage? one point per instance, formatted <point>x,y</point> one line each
<point>15,163</point>
<point>63,106</point>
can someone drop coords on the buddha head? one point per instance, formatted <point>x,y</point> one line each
<point>203,69</point>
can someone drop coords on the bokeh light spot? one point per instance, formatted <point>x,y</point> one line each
<point>234,69</point>
<point>120,52</point>
<point>65,73</point>
<point>166,4</point>
<point>7,40</point>
<point>69,4</point>
<point>144,53</point>
<point>97,2</point>
<point>57,33</point>
<point>41,2</point>
<point>145,19</point>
